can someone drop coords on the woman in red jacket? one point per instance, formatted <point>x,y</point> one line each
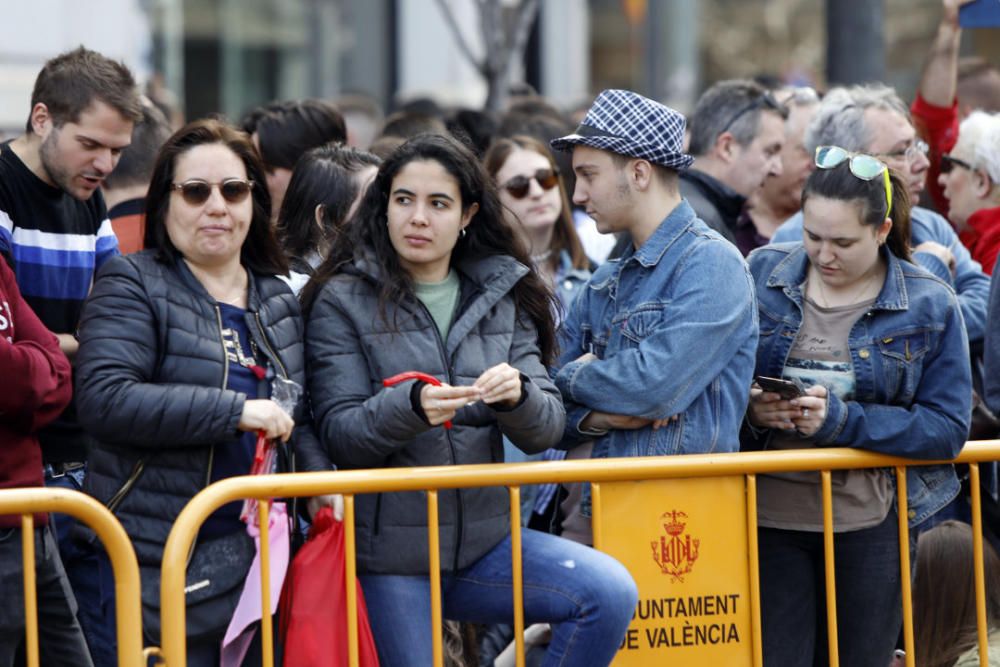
<point>37,387</point>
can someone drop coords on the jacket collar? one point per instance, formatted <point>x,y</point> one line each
<point>675,224</point>
<point>790,274</point>
<point>728,202</point>
<point>189,279</point>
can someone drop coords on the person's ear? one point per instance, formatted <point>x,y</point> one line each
<point>725,147</point>
<point>41,119</point>
<point>641,174</point>
<point>318,213</point>
<point>469,213</point>
<point>983,184</point>
<point>883,230</point>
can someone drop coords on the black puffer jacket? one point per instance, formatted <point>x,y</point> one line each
<point>351,349</point>
<point>150,383</point>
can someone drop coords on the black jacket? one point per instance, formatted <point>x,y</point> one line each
<point>150,383</point>
<point>351,349</point>
<point>713,201</point>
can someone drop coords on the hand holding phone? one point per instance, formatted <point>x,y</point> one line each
<point>787,389</point>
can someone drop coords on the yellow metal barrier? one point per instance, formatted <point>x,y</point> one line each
<point>513,476</point>
<point>27,502</point>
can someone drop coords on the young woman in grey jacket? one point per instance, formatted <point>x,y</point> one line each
<point>433,280</point>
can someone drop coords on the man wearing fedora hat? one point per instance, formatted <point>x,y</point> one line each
<point>658,350</point>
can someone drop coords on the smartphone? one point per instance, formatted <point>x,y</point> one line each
<point>787,389</point>
<point>980,14</point>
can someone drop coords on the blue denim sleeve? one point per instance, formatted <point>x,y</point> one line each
<point>712,313</point>
<point>969,282</point>
<point>570,347</point>
<point>991,372</point>
<point>934,426</point>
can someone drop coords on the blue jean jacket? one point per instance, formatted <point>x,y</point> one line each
<point>674,328</point>
<point>969,281</point>
<point>913,394</point>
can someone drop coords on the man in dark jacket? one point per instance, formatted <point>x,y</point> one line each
<point>37,387</point>
<point>737,131</point>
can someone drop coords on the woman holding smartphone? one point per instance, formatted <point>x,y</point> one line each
<point>880,347</point>
<point>433,280</point>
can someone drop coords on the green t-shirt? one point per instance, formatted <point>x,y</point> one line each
<point>441,299</point>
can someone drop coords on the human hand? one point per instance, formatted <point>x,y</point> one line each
<point>442,402</point>
<point>767,409</point>
<point>606,421</point>
<point>949,17</point>
<point>812,408</point>
<point>941,252</point>
<point>500,384</point>
<point>265,415</point>
<point>69,345</point>
<point>586,358</point>
<point>334,501</point>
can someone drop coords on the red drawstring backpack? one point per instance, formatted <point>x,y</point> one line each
<point>314,603</point>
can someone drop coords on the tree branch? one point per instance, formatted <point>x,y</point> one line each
<point>526,13</point>
<point>463,45</point>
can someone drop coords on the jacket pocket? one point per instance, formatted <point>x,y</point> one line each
<point>641,321</point>
<point>902,357</point>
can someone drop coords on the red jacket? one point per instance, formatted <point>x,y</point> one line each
<point>37,386</point>
<point>982,237</point>
<point>939,126</point>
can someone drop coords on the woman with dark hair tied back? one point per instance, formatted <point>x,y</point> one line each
<point>433,280</point>
<point>944,598</point>
<point>860,348</point>
<point>325,189</point>
<point>182,349</point>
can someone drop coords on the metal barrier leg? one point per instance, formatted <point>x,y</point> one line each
<point>905,575</point>
<point>30,590</point>
<point>977,563</point>
<point>831,585</point>
<point>434,548</point>
<point>266,629</point>
<point>351,579</point>
<point>595,513</point>
<point>758,645</point>
<point>517,573</point>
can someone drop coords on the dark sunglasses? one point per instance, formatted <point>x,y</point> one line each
<point>766,100</point>
<point>196,192</point>
<point>948,163</point>
<point>519,186</point>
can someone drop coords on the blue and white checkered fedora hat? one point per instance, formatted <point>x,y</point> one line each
<point>629,124</point>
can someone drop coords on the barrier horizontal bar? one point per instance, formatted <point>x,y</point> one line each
<point>449,477</point>
<point>116,543</point>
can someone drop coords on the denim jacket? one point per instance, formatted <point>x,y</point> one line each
<point>674,328</point>
<point>911,365</point>
<point>969,281</point>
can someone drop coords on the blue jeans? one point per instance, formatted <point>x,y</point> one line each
<point>793,596</point>
<point>586,595</point>
<point>93,596</point>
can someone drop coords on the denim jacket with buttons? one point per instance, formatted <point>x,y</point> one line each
<point>674,328</point>
<point>910,356</point>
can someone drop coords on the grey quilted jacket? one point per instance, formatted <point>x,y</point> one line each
<point>350,349</point>
<point>150,386</point>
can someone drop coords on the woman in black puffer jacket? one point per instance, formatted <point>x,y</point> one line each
<point>179,348</point>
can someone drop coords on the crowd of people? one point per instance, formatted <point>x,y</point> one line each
<point>784,269</point>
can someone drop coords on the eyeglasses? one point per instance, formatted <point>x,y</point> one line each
<point>948,163</point>
<point>765,100</point>
<point>519,186</point>
<point>196,192</point>
<point>862,166</point>
<point>918,147</point>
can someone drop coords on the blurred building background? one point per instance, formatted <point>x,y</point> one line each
<point>230,55</point>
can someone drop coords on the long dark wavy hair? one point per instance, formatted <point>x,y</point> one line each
<point>327,177</point>
<point>841,185</point>
<point>487,234</point>
<point>564,236</point>
<point>260,252</point>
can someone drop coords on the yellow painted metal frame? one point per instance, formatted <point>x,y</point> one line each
<point>514,476</point>
<point>28,502</point>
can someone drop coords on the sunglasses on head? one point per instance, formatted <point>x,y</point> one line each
<point>862,166</point>
<point>948,163</point>
<point>764,100</point>
<point>519,186</point>
<point>196,192</point>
